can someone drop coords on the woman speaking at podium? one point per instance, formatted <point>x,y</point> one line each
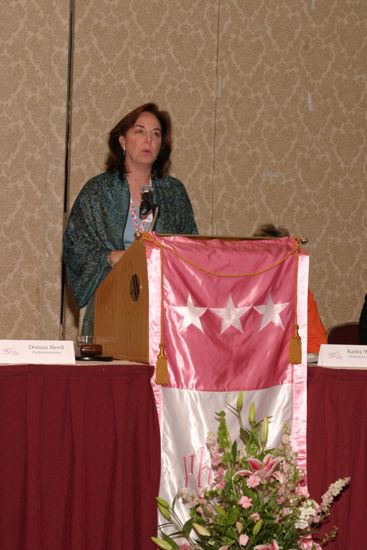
<point>106,214</point>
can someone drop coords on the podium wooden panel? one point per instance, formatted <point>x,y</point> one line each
<point>121,321</point>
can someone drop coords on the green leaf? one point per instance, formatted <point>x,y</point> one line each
<point>251,415</point>
<point>224,440</point>
<point>264,430</point>
<point>162,544</point>
<point>201,530</point>
<point>164,510</point>
<point>170,541</point>
<point>257,527</point>
<point>226,458</point>
<point>220,511</point>
<point>234,451</point>
<point>244,435</point>
<point>248,492</point>
<point>239,401</point>
<point>186,529</point>
<point>162,502</point>
<point>231,534</point>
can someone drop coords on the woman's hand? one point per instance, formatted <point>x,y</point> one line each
<point>114,257</point>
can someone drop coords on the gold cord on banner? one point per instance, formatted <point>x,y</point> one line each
<point>295,346</point>
<point>161,373</point>
<point>149,237</point>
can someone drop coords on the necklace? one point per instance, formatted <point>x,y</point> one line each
<point>139,224</point>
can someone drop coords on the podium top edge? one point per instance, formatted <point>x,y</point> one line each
<point>303,240</point>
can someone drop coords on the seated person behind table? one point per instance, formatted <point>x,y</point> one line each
<point>316,333</point>
<point>363,324</point>
<point>105,215</point>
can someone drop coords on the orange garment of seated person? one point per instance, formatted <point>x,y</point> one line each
<point>316,333</point>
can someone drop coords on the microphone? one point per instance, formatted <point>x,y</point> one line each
<point>146,205</point>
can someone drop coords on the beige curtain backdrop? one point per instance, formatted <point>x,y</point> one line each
<point>33,84</point>
<point>268,100</point>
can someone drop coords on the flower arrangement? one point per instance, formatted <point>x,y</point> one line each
<point>257,501</point>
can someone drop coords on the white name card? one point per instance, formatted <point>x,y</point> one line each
<point>37,352</point>
<point>343,356</point>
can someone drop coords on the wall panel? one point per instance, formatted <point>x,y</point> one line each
<point>291,135</point>
<point>34,47</point>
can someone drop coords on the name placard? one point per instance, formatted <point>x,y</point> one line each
<point>343,356</point>
<point>37,352</point>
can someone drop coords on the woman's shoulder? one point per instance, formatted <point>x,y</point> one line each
<point>100,184</point>
<point>104,179</point>
<point>170,182</point>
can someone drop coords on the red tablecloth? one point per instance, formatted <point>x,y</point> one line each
<point>79,458</point>
<point>80,455</point>
<point>337,447</point>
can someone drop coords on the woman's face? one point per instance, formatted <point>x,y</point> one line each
<point>142,141</point>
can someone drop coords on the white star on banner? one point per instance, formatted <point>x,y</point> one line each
<point>271,313</point>
<point>190,314</point>
<point>230,315</point>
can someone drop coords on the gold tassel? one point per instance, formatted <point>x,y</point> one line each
<point>161,373</point>
<point>295,348</point>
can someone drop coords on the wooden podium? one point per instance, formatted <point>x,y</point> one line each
<point>121,318</point>
<point>122,308</point>
<point>121,323</point>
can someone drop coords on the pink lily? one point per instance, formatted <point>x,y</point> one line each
<point>243,540</point>
<point>265,469</point>
<point>245,502</point>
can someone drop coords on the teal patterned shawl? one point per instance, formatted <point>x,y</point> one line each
<point>96,225</point>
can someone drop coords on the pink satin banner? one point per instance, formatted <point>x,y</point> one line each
<point>222,330</point>
<point>225,333</point>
